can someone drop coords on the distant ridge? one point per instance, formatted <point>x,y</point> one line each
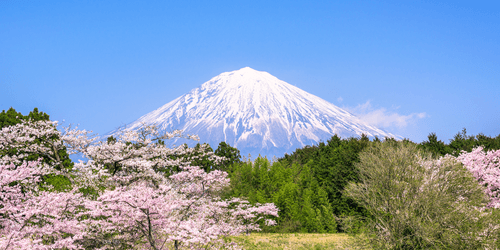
<point>257,113</point>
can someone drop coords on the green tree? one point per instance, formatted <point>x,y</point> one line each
<point>58,158</point>
<point>202,159</point>
<point>462,141</point>
<point>303,204</point>
<point>12,117</point>
<point>433,145</point>
<point>231,154</point>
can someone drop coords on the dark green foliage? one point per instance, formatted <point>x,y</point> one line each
<point>460,142</point>
<point>434,146</point>
<point>113,167</point>
<point>9,118</point>
<point>204,161</point>
<point>463,142</point>
<point>12,117</point>
<point>231,154</point>
<point>194,157</point>
<point>332,167</point>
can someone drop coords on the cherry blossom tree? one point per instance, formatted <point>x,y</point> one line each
<point>157,200</point>
<point>41,140</point>
<point>182,212</point>
<point>485,167</point>
<point>34,219</point>
<point>145,194</point>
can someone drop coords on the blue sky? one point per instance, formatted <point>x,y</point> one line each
<point>409,67</point>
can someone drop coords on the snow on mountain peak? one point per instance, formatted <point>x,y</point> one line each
<point>241,78</point>
<point>257,113</point>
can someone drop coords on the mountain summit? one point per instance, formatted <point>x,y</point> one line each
<point>256,113</point>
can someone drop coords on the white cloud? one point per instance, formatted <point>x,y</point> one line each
<point>340,99</point>
<point>383,118</point>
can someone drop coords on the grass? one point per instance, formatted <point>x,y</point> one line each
<point>292,241</point>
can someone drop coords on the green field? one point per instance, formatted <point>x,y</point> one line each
<point>292,241</point>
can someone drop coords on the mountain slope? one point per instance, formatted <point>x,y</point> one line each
<point>257,113</point>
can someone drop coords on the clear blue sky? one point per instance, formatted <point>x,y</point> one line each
<point>411,67</point>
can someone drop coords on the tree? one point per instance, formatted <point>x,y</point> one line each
<point>435,146</point>
<point>202,157</point>
<point>137,200</point>
<point>417,202</point>
<point>485,167</point>
<point>35,219</point>
<point>146,203</point>
<point>303,204</point>
<point>231,155</point>
<point>28,138</point>
<point>182,213</point>
<point>12,117</point>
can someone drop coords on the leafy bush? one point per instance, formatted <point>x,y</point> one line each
<point>419,202</point>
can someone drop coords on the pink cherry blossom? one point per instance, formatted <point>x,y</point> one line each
<point>149,195</point>
<point>485,167</point>
<point>29,215</point>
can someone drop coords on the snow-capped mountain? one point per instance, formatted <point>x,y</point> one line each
<point>256,113</point>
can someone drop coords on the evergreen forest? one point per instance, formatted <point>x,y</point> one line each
<point>308,185</point>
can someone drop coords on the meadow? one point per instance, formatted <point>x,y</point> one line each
<point>282,241</point>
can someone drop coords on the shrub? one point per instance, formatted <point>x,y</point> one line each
<point>415,201</point>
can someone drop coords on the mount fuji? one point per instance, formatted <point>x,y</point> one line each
<point>256,113</point>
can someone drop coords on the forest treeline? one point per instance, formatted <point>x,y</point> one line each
<point>308,185</point>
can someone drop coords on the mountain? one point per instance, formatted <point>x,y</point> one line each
<point>256,113</point>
